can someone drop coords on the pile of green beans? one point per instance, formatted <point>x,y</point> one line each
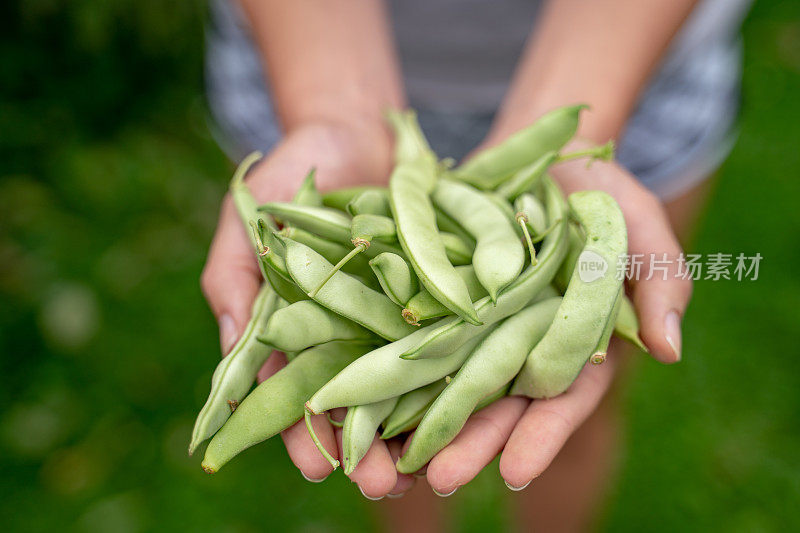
<point>417,304</point>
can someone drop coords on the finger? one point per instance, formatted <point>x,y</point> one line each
<point>404,481</point>
<point>547,424</point>
<point>660,294</point>
<point>375,474</point>
<point>302,451</point>
<point>230,278</point>
<point>477,444</point>
<point>274,362</point>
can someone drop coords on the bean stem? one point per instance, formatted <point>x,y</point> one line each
<point>360,246</point>
<point>334,463</point>
<point>603,153</point>
<point>522,220</point>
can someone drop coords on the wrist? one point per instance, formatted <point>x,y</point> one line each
<point>362,148</point>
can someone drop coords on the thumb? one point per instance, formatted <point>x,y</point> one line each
<point>231,278</point>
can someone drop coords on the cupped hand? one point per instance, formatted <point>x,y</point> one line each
<point>531,433</point>
<point>356,153</point>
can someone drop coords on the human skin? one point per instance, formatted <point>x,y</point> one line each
<point>330,86</point>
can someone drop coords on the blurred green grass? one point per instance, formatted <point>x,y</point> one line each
<point>109,189</point>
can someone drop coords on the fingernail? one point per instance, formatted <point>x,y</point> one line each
<point>517,489</point>
<point>312,480</point>
<point>227,333</point>
<point>370,497</point>
<point>672,332</point>
<point>445,495</point>
<point>395,496</point>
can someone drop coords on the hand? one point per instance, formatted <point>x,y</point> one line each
<point>355,153</point>
<point>530,434</point>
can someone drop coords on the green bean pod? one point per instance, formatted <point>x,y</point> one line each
<point>381,374</point>
<point>326,222</point>
<point>339,198</point>
<point>493,364</point>
<point>277,403</point>
<point>369,227</point>
<point>273,266</point>
<point>237,371</point>
<point>370,202</point>
<point>358,433</point>
<point>459,251</point>
<point>499,256</point>
<point>627,324</point>
<point>269,250</point>
<point>243,199</point>
<point>410,408</point>
<point>331,251</point>
<point>343,294</point>
<point>495,165</point>
<point>527,177</point>
<point>450,332</point>
<point>489,399</point>
<point>395,277</point>
<point>307,193</point>
<point>601,349</point>
<point>534,211</point>
<point>304,324</point>
<point>588,302</point>
<point>410,185</point>
<point>447,224</point>
<point>423,306</point>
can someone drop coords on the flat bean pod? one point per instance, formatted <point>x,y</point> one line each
<point>343,294</point>
<point>396,278</point>
<point>534,211</point>
<point>450,332</point>
<point>493,364</point>
<point>495,165</point>
<point>527,177</point>
<point>588,302</point>
<point>236,372</point>
<point>370,202</point>
<point>246,204</point>
<point>423,306</point>
<point>601,349</point>
<point>331,251</point>
<point>410,408</point>
<point>381,374</point>
<point>499,256</point>
<point>307,193</point>
<point>339,198</point>
<point>360,425</point>
<point>627,324</point>
<point>277,403</point>
<point>324,221</point>
<point>304,324</point>
<point>412,180</point>
<point>459,251</point>
<point>488,400</point>
<point>273,267</point>
<point>447,224</point>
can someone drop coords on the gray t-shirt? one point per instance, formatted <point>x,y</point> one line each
<point>458,57</point>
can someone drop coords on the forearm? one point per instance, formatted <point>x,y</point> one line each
<point>331,66</point>
<point>599,52</point>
